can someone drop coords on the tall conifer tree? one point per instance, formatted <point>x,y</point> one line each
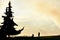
<point>8,25</point>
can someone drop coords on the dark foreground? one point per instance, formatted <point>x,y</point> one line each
<point>34,38</point>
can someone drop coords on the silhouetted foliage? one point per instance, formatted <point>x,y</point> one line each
<point>8,25</point>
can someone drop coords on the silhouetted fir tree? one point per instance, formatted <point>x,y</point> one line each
<point>8,25</point>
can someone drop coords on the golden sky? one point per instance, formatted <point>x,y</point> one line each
<point>35,15</point>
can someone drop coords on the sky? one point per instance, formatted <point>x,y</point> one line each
<point>35,16</point>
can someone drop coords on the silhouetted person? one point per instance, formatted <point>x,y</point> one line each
<point>32,35</point>
<point>38,34</point>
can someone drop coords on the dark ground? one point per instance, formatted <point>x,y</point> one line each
<point>34,38</point>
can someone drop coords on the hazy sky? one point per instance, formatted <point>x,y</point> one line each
<point>35,15</point>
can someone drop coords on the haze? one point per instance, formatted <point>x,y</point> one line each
<point>35,15</point>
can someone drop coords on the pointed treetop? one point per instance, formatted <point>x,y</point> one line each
<point>9,4</point>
